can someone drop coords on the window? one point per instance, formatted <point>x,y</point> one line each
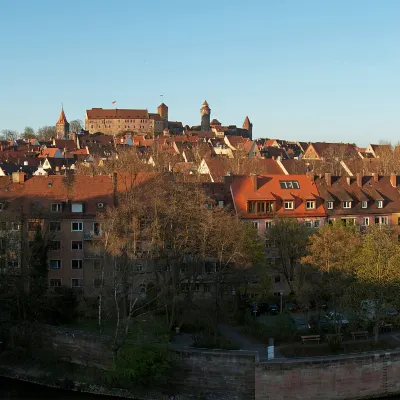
<point>76,245</point>
<point>260,207</point>
<point>2,206</point>
<point>206,287</point>
<point>15,226</point>
<point>184,287</point>
<point>56,207</point>
<point>76,264</point>
<point>398,238</point>
<point>97,228</point>
<point>379,203</point>
<point>100,205</point>
<point>272,261</point>
<point>97,282</point>
<point>348,221</point>
<point>310,204</point>
<point>55,282</point>
<point>97,264</point>
<point>220,203</point>
<point>209,268</point>
<point>288,205</point>
<point>254,224</point>
<point>277,279</point>
<point>12,264</point>
<point>76,283</point>
<point>139,267</point>
<point>308,224</point>
<point>329,205</point>
<point>76,207</point>
<point>346,204</point>
<point>76,226</point>
<point>381,220</point>
<point>197,287</point>
<point>364,204</point>
<point>269,224</point>
<point>331,221</point>
<point>365,221</point>
<point>55,226</point>
<point>289,184</point>
<point>55,245</point>
<point>269,243</point>
<point>55,264</point>
<point>398,220</point>
<point>316,224</point>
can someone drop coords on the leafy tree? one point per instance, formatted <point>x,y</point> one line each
<point>332,251</point>
<point>28,133</point>
<point>291,239</point>
<point>378,273</point>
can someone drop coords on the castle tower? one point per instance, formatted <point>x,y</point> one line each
<point>162,111</point>
<point>62,126</point>
<point>205,113</point>
<point>249,127</point>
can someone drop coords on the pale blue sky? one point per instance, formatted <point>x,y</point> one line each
<point>301,69</point>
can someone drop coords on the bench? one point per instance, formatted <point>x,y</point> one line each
<point>310,338</point>
<point>362,334</point>
<point>386,327</point>
<point>330,336</point>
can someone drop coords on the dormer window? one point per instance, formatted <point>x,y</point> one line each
<point>329,205</point>
<point>346,204</point>
<point>310,204</point>
<point>364,204</point>
<point>379,204</point>
<point>289,184</point>
<point>76,207</point>
<point>288,205</point>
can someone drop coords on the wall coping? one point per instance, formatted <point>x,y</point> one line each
<point>371,355</point>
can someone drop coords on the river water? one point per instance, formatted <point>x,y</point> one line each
<point>16,390</point>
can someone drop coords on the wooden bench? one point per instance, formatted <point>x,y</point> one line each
<point>330,336</point>
<point>362,334</point>
<point>386,327</point>
<point>310,338</point>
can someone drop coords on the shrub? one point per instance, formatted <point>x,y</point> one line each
<point>141,366</point>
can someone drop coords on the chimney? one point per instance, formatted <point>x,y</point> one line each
<point>18,177</point>
<point>57,169</point>
<point>228,179</point>
<point>348,180</point>
<point>393,179</point>
<point>359,179</point>
<point>375,176</point>
<point>328,178</point>
<point>254,181</point>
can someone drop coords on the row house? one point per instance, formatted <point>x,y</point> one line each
<point>258,199</point>
<point>361,200</point>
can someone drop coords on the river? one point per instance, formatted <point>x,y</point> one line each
<point>14,390</point>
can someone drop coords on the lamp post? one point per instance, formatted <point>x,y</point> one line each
<point>281,293</point>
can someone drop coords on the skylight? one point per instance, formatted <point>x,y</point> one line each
<point>289,184</point>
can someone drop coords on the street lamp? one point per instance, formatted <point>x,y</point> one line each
<point>281,293</point>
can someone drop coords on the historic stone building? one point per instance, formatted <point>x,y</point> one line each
<point>62,126</point>
<point>205,112</point>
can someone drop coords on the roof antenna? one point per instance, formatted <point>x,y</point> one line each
<point>162,98</point>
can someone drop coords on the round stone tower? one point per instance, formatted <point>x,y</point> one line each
<point>205,113</point>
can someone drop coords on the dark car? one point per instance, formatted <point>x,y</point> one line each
<point>273,309</point>
<point>291,307</point>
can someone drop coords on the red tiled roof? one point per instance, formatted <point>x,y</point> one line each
<point>100,113</point>
<point>62,120</point>
<point>268,188</point>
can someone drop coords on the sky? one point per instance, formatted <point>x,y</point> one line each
<point>306,70</point>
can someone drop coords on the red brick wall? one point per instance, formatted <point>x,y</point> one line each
<point>358,377</point>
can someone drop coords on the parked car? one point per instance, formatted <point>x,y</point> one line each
<point>300,324</point>
<point>337,318</point>
<point>273,309</point>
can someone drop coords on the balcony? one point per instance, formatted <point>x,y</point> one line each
<point>92,235</point>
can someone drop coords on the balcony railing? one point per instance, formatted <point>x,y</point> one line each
<point>92,235</point>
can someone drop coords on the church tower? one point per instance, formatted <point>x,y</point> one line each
<point>62,126</point>
<point>205,113</point>
<point>163,113</point>
<point>249,127</point>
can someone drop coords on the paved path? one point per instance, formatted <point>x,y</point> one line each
<point>234,335</point>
